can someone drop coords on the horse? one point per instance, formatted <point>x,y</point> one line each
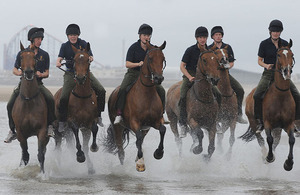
<point>82,108</point>
<point>227,115</point>
<point>30,109</point>
<point>143,109</point>
<point>202,109</point>
<point>278,108</point>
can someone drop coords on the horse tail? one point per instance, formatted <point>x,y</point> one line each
<point>248,136</point>
<point>109,141</point>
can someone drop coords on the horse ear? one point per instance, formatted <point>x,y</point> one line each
<point>290,43</point>
<point>202,48</point>
<point>226,47</point>
<point>88,47</point>
<point>162,47</point>
<point>213,48</point>
<point>74,48</point>
<point>21,46</point>
<point>279,43</point>
<point>148,45</point>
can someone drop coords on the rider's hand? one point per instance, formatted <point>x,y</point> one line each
<point>39,74</point>
<point>58,64</point>
<point>191,79</point>
<point>140,63</point>
<point>91,58</point>
<point>269,66</point>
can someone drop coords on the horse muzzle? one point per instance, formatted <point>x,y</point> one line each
<point>80,79</point>
<point>213,81</point>
<point>29,74</point>
<point>158,79</point>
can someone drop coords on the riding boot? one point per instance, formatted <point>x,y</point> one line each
<point>240,118</point>
<point>182,118</point>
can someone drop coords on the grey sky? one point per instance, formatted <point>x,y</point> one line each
<point>105,24</point>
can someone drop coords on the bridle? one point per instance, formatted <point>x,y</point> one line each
<point>23,71</point>
<point>201,66</point>
<point>150,69</point>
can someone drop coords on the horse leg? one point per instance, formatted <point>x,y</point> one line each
<point>43,140</point>
<point>25,154</point>
<point>277,136</point>
<point>211,146</point>
<point>220,136</point>
<point>140,165</point>
<point>231,140</point>
<point>288,164</point>
<point>270,157</point>
<point>94,147</point>
<point>80,153</point>
<point>86,135</point>
<point>174,128</point>
<point>198,134</point>
<point>159,152</point>
<point>118,130</point>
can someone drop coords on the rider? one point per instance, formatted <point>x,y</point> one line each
<point>134,60</point>
<point>217,34</point>
<point>66,53</point>
<point>188,67</point>
<point>35,36</point>
<point>267,53</point>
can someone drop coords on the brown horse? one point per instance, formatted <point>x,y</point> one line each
<point>82,108</point>
<point>278,108</point>
<point>201,106</point>
<point>227,114</point>
<point>30,109</point>
<point>142,111</point>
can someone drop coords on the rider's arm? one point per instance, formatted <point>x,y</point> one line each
<point>58,62</point>
<point>264,65</point>
<point>17,72</point>
<point>185,72</point>
<point>43,75</point>
<point>133,65</point>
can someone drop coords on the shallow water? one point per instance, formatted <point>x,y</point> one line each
<point>244,173</point>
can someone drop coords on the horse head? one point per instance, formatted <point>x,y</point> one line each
<point>28,62</point>
<point>222,55</point>
<point>208,65</point>
<point>81,63</point>
<point>285,60</point>
<point>155,62</point>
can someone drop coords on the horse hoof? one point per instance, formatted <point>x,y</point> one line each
<point>288,165</point>
<point>94,148</point>
<point>80,157</point>
<point>270,160</point>
<point>140,165</point>
<point>158,154</point>
<point>206,157</point>
<point>197,150</point>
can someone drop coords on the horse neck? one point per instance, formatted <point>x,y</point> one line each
<point>29,88</point>
<point>224,82</point>
<point>280,82</point>
<point>202,87</point>
<point>144,77</point>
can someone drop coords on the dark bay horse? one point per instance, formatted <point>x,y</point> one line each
<point>278,108</point>
<point>201,106</point>
<point>143,109</point>
<point>82,108</point>
<point>30,110</point>
<point>227,114</point>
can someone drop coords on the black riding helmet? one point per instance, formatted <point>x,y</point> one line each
<point>145,29</point>
<point>201,32</point>
<point>216,29</point>
<point>34,33</point>
<point>275,26</point>
<point>73,29</point>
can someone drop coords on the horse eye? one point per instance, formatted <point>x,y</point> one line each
<point>204,60</point>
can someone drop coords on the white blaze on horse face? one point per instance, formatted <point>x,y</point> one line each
<point>223,53</point>
<point>285,52</point>
<point>81,56</point>
<point>212,57</point>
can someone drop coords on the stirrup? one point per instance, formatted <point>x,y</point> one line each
<point>10,137</point>
<point>100,122</point>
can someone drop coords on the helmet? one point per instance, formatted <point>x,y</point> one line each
<point>276,26</point>
<point>145,29</point>
<point>201,32</point>
<point>216,29</point>
<point>73,29</point>
<point>34,33</point>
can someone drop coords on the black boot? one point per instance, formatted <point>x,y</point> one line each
<point>260,125</point>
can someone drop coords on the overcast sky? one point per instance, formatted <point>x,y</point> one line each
<point>106,24</point>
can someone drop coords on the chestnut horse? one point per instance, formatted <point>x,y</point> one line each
<point>30,109</point>
<point>278,108</point>
<point>227,114</point>
<point>143,109</point>
<point>202,109</point>
<point>82,108</point>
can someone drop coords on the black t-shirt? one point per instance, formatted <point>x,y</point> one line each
<point>268,51</point>
<point>191,57</point>
<point>68,54</point>
<point>42,63</point>
<point>136,53</point>
<point>229,50</point>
